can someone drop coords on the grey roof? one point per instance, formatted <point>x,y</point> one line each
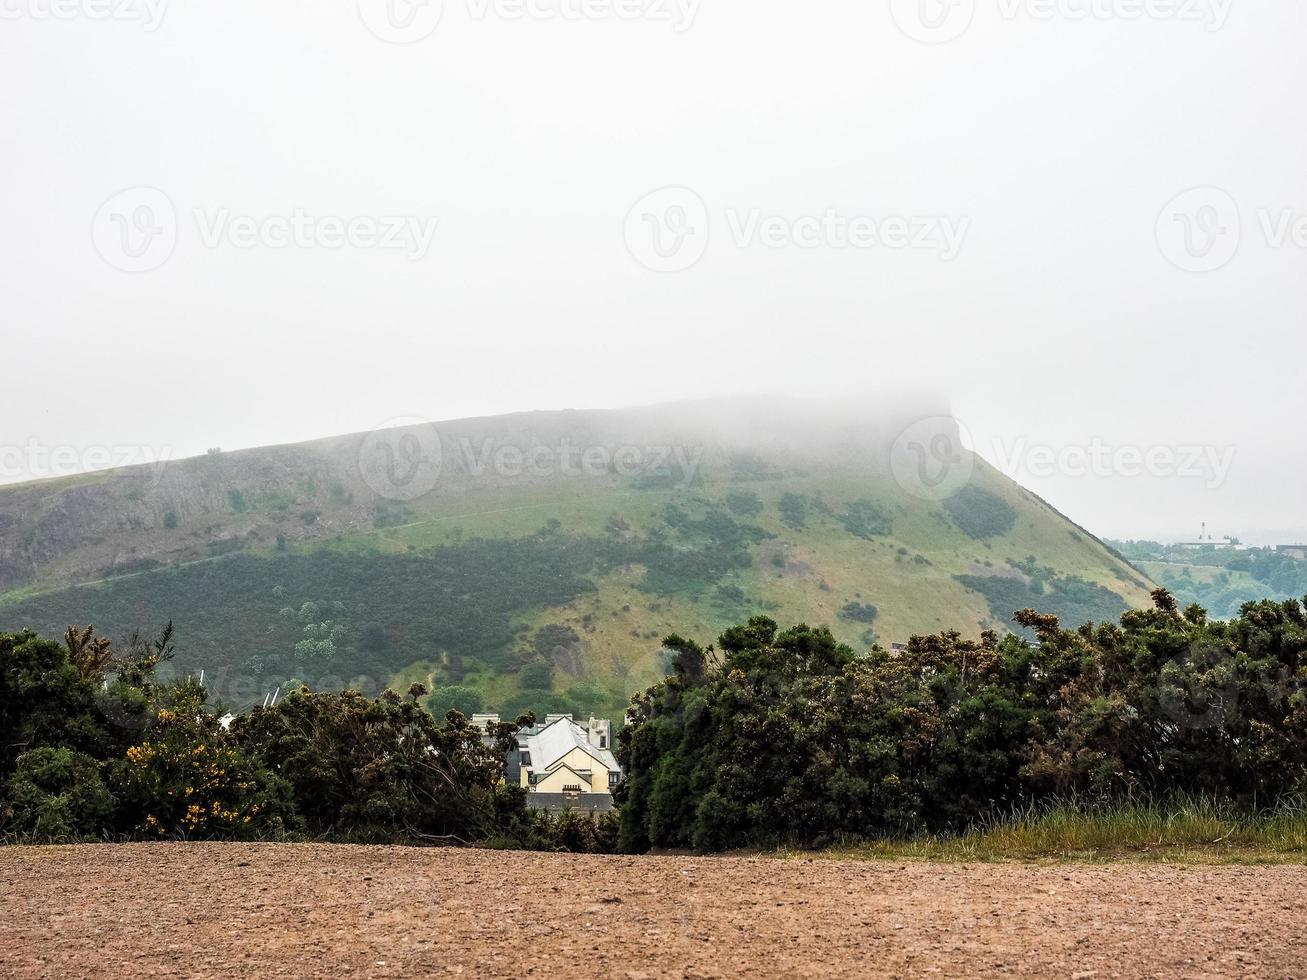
<point>554,741</point>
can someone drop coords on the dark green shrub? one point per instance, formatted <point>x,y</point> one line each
<point>538,674</point>
<point>980,514</point>
<point>794,511</point>
<point>59,793</point>
<point>790,737</point>
<point>859,612</point>
<point>866,519</point>
<point>382,768</point>
<point>456,697</point>
<point>744,504</point>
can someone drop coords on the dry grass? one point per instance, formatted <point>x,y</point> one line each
<point>1190,830</point>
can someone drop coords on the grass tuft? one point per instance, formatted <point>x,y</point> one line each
<point>1185,830</point>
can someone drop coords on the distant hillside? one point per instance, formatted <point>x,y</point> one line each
<point>536,560</point>
<point>1219,580</point>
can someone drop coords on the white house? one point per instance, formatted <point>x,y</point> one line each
<point>564,766</point>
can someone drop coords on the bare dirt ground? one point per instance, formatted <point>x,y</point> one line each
<point>230,910</point>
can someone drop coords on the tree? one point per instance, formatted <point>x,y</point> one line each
<point>382,768</point>
<point>788,737</point>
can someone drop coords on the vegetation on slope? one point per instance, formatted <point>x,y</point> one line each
<point>1221,581</point>
<point>519,611</point>
<point>503,590</point>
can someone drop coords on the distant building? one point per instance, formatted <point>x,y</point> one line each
<point>1224,544</point>
<point>1206,540</point>
<point>562,765</point>
<point>1298,552</point>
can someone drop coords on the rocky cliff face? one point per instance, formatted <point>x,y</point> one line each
<point>118,521</point>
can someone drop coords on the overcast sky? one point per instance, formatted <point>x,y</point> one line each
<point>241,223</point>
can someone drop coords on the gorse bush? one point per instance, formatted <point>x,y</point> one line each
<point>381,768</point>
<point>96,745</point>
<point>789,737</point>
<point>187,776</point>
<point>59,793</point>
<point>99,746</point>
<point>772,737</point>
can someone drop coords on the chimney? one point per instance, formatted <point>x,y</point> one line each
<point>600,733</point>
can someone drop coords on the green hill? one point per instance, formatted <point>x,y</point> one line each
<point>536,560</point>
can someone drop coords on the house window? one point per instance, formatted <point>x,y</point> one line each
<point>603,741</point>
<point>526,758</point>
<point>613,777</point>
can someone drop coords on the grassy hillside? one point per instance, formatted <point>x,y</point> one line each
<point>535,561</point>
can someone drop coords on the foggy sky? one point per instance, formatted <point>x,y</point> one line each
<point>1042,162</point>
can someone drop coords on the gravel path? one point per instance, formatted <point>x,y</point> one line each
<point>235,910</point>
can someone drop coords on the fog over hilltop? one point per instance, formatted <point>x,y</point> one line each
<point>841,203</point>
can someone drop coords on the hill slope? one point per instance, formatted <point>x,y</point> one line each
<point>536,560</point>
